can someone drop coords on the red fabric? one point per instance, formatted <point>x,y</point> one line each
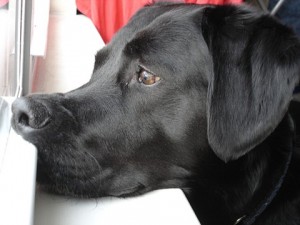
<point>110,15</point>
<point>3,2</point>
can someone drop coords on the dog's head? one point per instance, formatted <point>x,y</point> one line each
<point>176,85</point>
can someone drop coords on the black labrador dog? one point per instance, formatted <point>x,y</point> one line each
<point>184,96</point>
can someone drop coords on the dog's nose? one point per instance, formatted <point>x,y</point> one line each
<point>29,114</point>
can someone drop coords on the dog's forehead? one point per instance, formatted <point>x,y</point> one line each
<point>166,23</point>
<point>156,17</point>
<point>153,29</point>
<point>156,36</point>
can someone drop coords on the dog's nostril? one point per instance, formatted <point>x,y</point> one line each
<point>24,119</point>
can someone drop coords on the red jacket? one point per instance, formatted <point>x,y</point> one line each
<point>3,2</point>
<point>110,15</point>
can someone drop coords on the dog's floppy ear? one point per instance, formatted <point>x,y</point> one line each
<point>256,66</point>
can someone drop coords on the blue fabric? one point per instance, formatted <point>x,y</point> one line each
<point>289,13</point>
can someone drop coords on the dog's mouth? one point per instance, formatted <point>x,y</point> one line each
<point>79,174</point>
<point>87,187</point>
<point>77,192</point>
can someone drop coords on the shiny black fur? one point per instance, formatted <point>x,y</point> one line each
<point>216,125</point>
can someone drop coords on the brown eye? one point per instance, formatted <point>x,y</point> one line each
<point>147,78</point>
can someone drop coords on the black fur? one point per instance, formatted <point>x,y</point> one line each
<point>217,124</point>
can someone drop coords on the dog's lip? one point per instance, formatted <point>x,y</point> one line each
<point>129,191</point>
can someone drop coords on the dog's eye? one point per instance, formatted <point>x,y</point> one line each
<point>147,78</point>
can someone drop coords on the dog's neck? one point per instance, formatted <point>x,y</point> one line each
<point>240,191</point>
<point>268,195</point>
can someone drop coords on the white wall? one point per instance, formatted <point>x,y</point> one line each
<point>72,43</point>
